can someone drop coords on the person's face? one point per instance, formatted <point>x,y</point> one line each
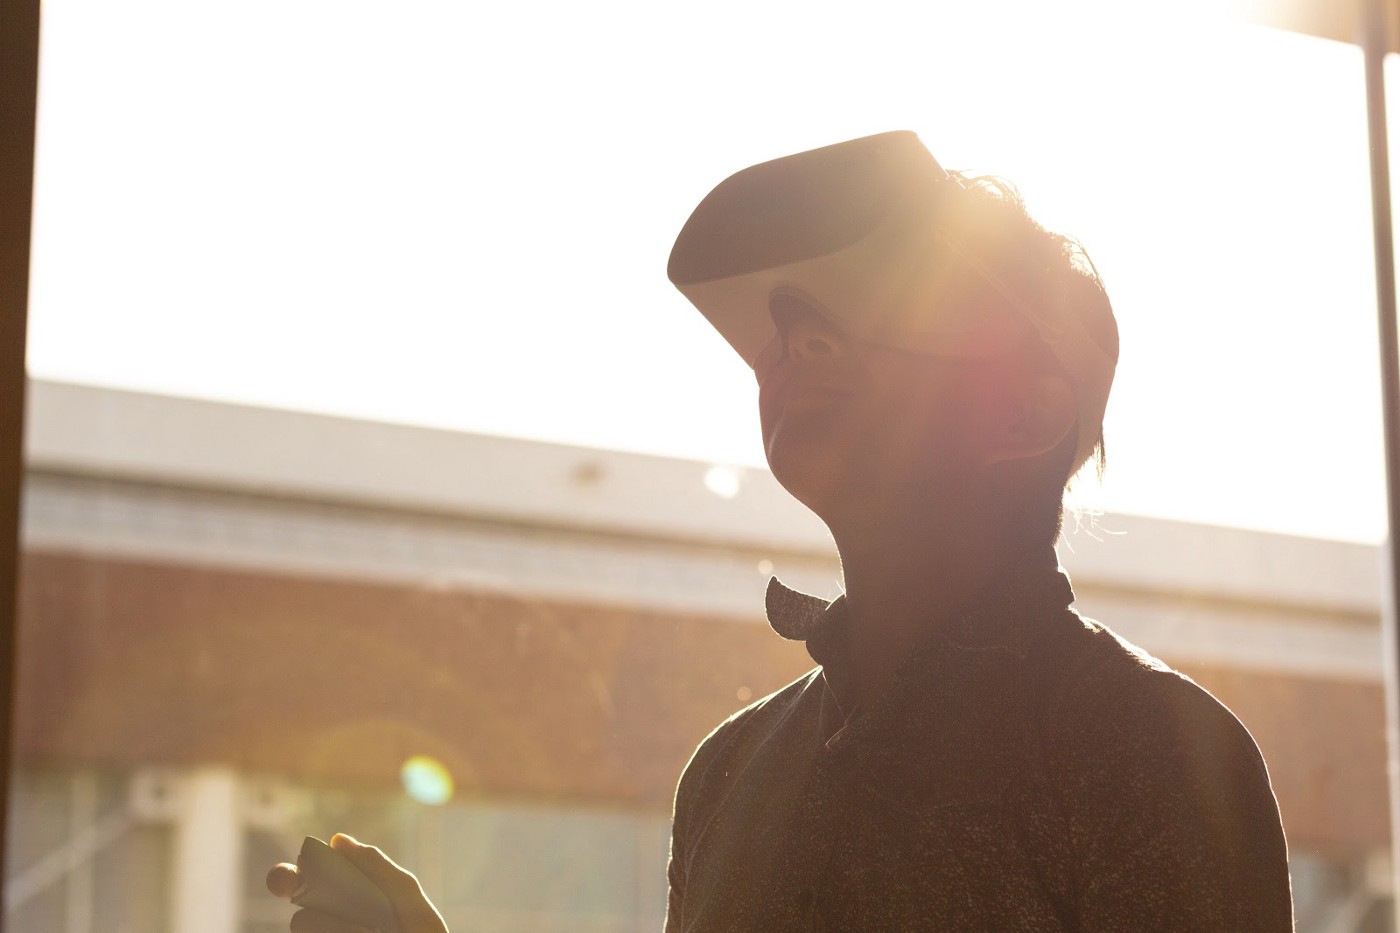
<point>846,421</point>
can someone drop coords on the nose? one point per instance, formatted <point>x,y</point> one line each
<point>804,332</point>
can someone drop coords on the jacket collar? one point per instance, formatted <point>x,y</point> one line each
<point>1003,617</point>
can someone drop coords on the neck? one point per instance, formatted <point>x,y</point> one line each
<point>904,577</point>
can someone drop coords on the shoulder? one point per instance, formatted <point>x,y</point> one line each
<point>1115,702</point>
<point>1163,791</point>
<point>729,743</point>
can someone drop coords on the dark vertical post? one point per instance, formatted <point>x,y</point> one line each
<point>19,59</point>
<point>1375,43</point>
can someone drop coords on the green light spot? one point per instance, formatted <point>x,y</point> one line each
<point>425,780</point>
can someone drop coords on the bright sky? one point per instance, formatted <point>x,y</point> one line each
<point>458,214</point>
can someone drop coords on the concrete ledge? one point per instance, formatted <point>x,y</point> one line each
<point>186,442</point>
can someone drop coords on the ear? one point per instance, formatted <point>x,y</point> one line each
<point>1032,419</point>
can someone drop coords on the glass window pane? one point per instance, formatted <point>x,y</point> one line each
<point>366,427</point>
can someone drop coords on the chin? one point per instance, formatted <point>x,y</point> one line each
<point>815,474</point>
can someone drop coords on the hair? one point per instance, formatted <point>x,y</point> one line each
<point>1041,269</point>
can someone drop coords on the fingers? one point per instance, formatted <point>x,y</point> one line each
<point>416,914</point>
<point>311,921</point>
<point>282,879</point>
<point>393,880</point>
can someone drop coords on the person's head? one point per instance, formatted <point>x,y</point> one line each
<point>1037,408</point>
<point>916,334</point>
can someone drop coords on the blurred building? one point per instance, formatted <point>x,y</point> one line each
<point>241,626</point>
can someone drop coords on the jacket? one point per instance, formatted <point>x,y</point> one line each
<point>1028,770</point>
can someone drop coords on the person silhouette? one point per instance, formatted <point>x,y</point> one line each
<point>969,753</point>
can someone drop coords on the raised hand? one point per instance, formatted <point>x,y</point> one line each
<point>413,911</point>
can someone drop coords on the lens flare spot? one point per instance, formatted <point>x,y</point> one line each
<point>723,481</point>
<point>425,780</point>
